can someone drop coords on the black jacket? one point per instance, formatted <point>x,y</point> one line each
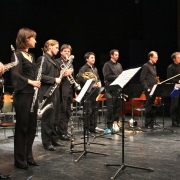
<point>50,71</point>
<point>173,70</point>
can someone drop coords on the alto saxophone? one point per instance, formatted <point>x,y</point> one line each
<point>10,65</point>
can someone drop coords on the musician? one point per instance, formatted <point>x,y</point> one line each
<point>50,76</point>
<point>93,104</point>
<point>111,70</point>
<point>24,80</point>
<point>66,93</point>
<point>172,70</point>
<point>2,176</point>
<point>148,79</point>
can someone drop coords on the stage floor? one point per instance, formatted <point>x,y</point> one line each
<point>157,149</point>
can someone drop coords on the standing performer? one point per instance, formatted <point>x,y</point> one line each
<point>148,78</point>
<point>111,70</point>
<point>50,76</point>
<point>2,176</point>
<point>24,80</point>
<point>90,71</point>
<point>172,70</point>
<point>66,93</point>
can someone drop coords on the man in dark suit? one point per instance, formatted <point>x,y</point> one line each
<point>50,77</point>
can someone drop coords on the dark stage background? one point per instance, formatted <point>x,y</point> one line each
<point>135,27</point>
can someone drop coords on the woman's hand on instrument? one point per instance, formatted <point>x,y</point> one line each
<point>57,80</point>
<point>34,83</point>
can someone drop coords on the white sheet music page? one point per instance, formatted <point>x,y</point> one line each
<point>84,90</point>
<point>125,77</point>
<point>153,89</point>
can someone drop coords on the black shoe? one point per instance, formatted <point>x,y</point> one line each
<point>20,166</point>
<point>57,143</point>
<point>5,176</point>
<point>49,148</point>
<point>33,163</point>
<point>175,124</point>
<point>64,138</point>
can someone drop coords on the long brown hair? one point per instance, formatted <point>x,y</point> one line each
<point>22,36</point>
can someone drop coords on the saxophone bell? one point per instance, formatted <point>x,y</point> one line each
<point>40,112</point>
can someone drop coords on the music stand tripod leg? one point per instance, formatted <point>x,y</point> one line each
<point>123,165</point>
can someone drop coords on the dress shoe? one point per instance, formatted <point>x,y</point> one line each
<point>20,166</point>
<point>33,163</point>
<point>175,124</point>
<point>64,138</point>
<point>49,148</point>
<point>58,143</point>
<point>5,176</point>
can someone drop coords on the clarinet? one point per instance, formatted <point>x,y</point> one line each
<point>35,88</point>
<point>53,88</point>
<point>72,128</point>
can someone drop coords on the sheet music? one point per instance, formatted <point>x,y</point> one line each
<point>125,77</point>
<point>84,90</point>
<point>177,86</point>
<point>153,89</point>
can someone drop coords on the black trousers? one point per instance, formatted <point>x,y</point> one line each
<point>90,109</point>
<point>25,128</point>
<point>150,112</point>
<point>113,105</point>
<point>174,109</point>
<point>65,113</point>
<point>50,119</point>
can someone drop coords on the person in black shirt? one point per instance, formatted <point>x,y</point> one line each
<point>2,176</point>
<point>24,80</point>
<point>148,78</point>
<point>50,77</point>
<point>66,93</point>
<point>92,104</point>
<point>111,70</point>
<point>172,70</point>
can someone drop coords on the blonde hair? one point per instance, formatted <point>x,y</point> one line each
<point>48,43</point>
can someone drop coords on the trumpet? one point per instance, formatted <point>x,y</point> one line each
<point>71,78</point>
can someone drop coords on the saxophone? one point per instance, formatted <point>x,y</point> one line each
<point>10,65</point>
<point>52,88</point>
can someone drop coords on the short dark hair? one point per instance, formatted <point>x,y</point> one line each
<point>151,54</point>
<point>86,56</point>
<point>22,36</point>
<point>64,46</point>
<point>173,56</point>
<point>113,51</point>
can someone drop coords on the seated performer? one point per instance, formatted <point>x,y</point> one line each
<point>90,71</point>
<point>148,78</point>
<point>172,70</point>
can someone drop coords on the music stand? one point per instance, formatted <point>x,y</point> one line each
<point>119,83</point>
<point>134,91</point>
<point>87,94</point>
<point>162,90</point>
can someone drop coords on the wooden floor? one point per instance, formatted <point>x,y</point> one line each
<point>154,149</point>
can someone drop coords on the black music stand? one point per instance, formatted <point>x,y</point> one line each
<point>162,90</point>
<point>119,83</point>
<point>134,91</point>
<point>86,94</point>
